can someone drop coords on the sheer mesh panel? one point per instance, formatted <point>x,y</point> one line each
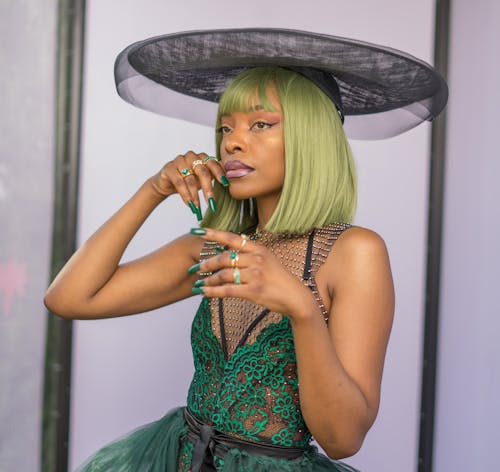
<point>291,252</point>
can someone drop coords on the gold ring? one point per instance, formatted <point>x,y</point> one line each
<point>218,159</point>
<point>236,276</point>
<point>185,172</point>
<point>235,257</point>
<point>198,162</point>
<point>244,238</point>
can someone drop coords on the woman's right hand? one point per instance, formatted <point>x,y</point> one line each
<point>186,175</point>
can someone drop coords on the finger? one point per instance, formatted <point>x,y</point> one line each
<point>184,167</point>
<point>226,276</point>
<point>227,259</point>
<point>205,178</point>
<point>238,242</point>
<point>217,170</point>
<point>171,171</point>
<point>223,291</point>
<point>192,185</point>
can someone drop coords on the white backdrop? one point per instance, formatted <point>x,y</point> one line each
<point>130,371</point>
<point>468,387</point>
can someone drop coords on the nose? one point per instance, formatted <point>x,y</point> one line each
<point>235,141</point>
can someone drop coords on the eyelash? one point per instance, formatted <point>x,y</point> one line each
<point>267,125</point>
<point>220,129</point>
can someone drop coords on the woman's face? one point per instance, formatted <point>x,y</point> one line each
<point>253,152</point>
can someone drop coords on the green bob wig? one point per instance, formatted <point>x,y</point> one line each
<point>320,178</point>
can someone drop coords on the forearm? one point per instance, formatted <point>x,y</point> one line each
<point>94,263</point>
<point>333,405</point>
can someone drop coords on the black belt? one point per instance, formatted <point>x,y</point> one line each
<point>210,442</point>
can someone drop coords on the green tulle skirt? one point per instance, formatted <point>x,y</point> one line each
<point>160,447</point>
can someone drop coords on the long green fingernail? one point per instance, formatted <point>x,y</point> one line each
<point>194,268</point>
<point>198,231</point>
<point>197,291</point>
<point>212,204</point>
<point>192,206</point>
<point>199,216</point>
<point>224,181</point>
<point>199,283</point>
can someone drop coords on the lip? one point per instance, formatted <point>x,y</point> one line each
<point>235,169</point>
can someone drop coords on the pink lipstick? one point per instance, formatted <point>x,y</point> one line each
<point>235,169</point>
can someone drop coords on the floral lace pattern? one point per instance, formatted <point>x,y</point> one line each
<point>254,393</point>
<point>185,453</point>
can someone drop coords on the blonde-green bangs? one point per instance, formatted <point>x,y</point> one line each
<point>320,177</point>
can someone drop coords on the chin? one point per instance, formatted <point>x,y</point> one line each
<point>239,191</point>
<point>241,195</point>
<point>242,190</point>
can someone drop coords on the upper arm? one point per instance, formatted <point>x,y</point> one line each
<point>362,308</point>
<point>152,281</point>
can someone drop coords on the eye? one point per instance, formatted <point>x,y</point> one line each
<point>262,125</point>
<point>223,129</point>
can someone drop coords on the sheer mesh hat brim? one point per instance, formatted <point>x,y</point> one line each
<point>384,92</point>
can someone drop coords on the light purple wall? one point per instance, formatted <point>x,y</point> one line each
<point>468,396</point>
<point>27,84</point>
<point>130,371</point>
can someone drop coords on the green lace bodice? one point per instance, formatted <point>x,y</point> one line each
<point>254,393</point>
<point>245,382</point>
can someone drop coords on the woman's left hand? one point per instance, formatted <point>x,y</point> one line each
<point>249,270</point>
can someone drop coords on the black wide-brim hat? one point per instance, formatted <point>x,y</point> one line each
<point>383,91</point>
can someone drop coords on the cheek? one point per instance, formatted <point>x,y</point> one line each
<point>279,155</point>
<point>276,147</point>
<point>279,168</point>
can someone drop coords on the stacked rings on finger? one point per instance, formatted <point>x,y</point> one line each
<point>218,159</point>
<point>185,172</point>
<point>235,257</point>
<point>198,162</point>
<point>236,276</point>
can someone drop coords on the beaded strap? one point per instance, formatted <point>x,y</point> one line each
<point>322,243</point>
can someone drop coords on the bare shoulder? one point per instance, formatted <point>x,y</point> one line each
<point>357,241</point>
<point>359,252</point>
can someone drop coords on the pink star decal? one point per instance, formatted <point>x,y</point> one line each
<point>12,282</point>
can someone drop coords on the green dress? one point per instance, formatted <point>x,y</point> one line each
<point>245,381</point>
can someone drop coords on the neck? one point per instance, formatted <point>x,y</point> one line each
<point>265,209</point>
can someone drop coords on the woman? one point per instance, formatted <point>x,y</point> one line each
<point>302,298</point>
